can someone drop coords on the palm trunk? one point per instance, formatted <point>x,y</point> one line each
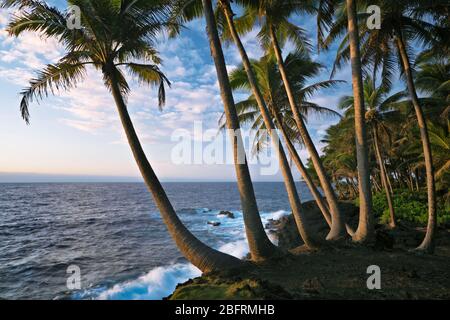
<point>376,184</point>
<point>308,180</point>
<point>416,175</point>
<point>351,187</point>
<point>384,181</point>
<point>365,229</point>
<point>428,242</point>
<point>388,176</point>
<point>294,199</point>
<point>410,178</point>
<point>260,246</point>
<point>202,256</point>
<point>301,168</point>
<point>337,226</point>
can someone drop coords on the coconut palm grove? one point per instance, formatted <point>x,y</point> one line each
<point>379,179</point>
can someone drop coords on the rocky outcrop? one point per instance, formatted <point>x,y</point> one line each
<point>285,228</point>
<point>228,214</point>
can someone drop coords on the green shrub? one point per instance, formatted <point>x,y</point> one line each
<point>409,206</point>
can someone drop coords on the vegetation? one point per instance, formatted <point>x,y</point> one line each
<point>392,144</point>
<point>410,207</point>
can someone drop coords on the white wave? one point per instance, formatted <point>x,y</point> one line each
<point>161,281</point>
<point>158,283</point>
<point>238,249</point>
<point>276,215</point>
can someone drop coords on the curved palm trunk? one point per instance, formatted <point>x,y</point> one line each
<point>365,229</point>
<point>428,242</point>
<point>384,180</point>
<point>202,256</point>
<point>337,226</point>
<point>308,180</point>
<point>260,246</point>
<point>294,199</point>
<point>301,168</point>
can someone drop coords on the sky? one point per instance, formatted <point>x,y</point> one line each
<point>77,135</point>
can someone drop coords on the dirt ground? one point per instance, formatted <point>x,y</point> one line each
<point>341,273</point>
<point>332,273</point>
<point>335,271</point>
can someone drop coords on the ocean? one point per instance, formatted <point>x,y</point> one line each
<point>113,233</point>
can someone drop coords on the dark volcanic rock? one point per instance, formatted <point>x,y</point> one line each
<point>286,230</point>
<point>227,213</point>
<point>214,223</point>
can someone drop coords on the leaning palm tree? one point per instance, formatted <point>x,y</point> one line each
<point>301,68</point>
<point>275,30</point>
<point>293,196</point>
<point>190,9</point>
<point>261,248</point>
<point>402,23</point>
<point>380,115</point>
<point>113,35</point>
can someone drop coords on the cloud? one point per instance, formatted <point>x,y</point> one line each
<point>193,96</point>
<point>18,76</point>
<point>30,50</point>
<point>4,17</point>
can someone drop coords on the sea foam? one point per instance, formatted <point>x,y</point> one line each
<point>162,281</point>
<point>157,284</point>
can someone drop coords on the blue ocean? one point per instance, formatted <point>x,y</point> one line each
<point>113,233</point>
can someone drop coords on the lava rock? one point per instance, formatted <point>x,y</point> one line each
<point>227,213</point>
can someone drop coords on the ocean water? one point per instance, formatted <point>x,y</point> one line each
<point>114,234</point>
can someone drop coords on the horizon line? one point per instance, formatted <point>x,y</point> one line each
<point>22,177</point>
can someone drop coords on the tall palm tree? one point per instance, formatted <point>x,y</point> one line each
<point>291,189</point>
<point>275,30</point>
<point>260,246</point>
<point>402,24</point>
<point>380,114</point>
<point>365,226</point>
<point>114,34</point>
<point>301,68</point>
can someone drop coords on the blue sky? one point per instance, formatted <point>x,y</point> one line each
<point>78,132</point>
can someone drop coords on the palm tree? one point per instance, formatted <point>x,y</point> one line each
<point>440,143</point>
<point>275,30</point>
<point>379,115</point>
<point>403,22</point>
<point>301,68</point>
<point>261,248</point>
<point>291,189</point>
<point>365,226</point>
<point>432,78</point>
<point>113,35</point>
<point>339,157</point>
